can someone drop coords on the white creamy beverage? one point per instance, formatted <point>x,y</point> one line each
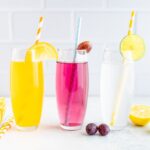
<point>112,71</point>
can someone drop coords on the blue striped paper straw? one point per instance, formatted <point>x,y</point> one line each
<point>77,36</point>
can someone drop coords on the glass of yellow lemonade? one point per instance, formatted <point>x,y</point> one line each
<point>26,78</point>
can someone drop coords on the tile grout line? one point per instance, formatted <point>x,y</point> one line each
<point>44,9</point>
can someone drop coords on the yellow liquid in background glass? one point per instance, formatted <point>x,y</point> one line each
<point>27,92</point>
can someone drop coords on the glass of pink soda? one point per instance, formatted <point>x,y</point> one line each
<point>72,81</point>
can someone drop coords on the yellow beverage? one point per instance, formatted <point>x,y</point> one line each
<point>27,92</point>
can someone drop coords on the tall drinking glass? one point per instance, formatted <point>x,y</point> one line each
<point>116,89</point>
<point>72,88</point>
<point>27,81</point>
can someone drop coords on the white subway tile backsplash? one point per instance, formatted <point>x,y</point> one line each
<point>50,67</point>
<point>142,66</point>
<point>18,4</point>
<point>5,56</point>
<point>143,25</point>
<point>50,87</point>
<point>95,58</point>
<point>131,4</point>
<point>142,85</point>
<point>104,22</point>
<point>4,26</point>
<point>4,84</point>
<point>105,26</point>
<point>74,4</point>
<point>94,84</point>
<point>57,26</point>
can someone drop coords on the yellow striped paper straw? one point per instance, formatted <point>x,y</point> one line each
<point>6,126</point>
<point>39,29</point>
<point>119,95</point>
<point>131,22</point>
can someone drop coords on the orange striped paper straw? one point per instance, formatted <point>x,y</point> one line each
<point>2,108</point>
<point>6,126</point>
<point>39,29</point>
<point>131,22</point>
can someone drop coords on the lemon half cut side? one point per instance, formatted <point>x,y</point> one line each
<point>140,115</point>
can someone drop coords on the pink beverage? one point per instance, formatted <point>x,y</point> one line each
<point>72,92</point>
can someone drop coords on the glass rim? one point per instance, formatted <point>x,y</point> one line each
<point>107,49</point>
<point>18,54</point>
<point>71,49</point>
<point>71,62</point>
<point>67,56</point>
<point>19,49</point>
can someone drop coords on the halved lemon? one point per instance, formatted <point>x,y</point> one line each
<point>135,44</point>
<point>140,115</point>
<point>42,51</point>
<point>2,108</point>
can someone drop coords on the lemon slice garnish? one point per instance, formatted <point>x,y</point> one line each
<point>140,114</point>
<point>135,44</point>
<point>42,51</point>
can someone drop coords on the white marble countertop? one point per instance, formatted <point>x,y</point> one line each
<point>49,136</point>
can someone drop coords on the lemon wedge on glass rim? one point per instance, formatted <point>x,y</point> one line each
<point>41,51</point>
<point>140,115</point>
<point>135,44</point>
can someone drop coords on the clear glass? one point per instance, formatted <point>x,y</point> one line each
<point>112,71</point>
<point>26,82</point>
<point>72,81</point>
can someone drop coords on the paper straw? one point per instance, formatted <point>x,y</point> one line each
<point>122,85</point>
<point>2,112</point>
<point>2,108</point>
<point>78,29</point>
<point>6,126</point>
<point>119,96</point>
<point>130,31</point>
<point>39,29</point>
<point>77,36</point>
<point>124,78</point>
